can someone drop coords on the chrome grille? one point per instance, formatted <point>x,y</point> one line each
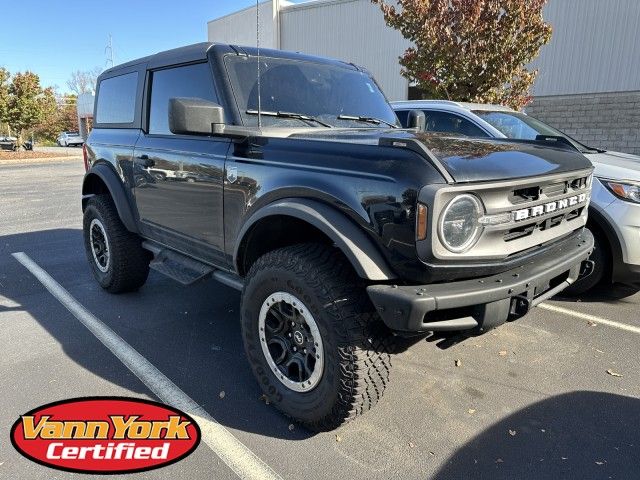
<point>550,201</point>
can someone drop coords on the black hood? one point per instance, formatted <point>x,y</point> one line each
<point>468,159</point>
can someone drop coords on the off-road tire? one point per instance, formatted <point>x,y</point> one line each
<point>128,268</point>
<point>601,269</point>
<point>356,343</point>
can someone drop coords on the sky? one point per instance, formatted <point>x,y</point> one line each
<point>53,38</point>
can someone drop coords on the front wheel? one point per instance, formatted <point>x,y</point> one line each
<point>315,344</point>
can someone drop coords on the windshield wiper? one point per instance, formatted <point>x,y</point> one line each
<point>297,116</point>
<point>360,118</point>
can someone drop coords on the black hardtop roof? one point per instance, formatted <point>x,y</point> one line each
<point>198,51</point>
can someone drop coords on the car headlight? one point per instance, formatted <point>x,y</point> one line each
<point>459,227</point>
<point>625,191</point>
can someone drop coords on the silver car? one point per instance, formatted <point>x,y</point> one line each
<point>70,139</point>
<point>614,214</point>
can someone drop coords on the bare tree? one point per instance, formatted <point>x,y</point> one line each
<point>83,81</point>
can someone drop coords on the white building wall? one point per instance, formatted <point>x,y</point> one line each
<point>239,28</point>
<point>350,30</point>
<point>595,47</point>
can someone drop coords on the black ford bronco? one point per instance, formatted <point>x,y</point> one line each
<point>298,186</point>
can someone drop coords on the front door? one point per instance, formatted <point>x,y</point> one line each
<point>178,178</point>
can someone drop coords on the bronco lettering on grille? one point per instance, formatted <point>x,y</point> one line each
<point>550,207</point>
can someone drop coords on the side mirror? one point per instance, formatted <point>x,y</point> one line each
<point>417,119</point>
<point>195,116</point>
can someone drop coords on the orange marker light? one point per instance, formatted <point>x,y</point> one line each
<point>421,222</point>
<point>618,189</point>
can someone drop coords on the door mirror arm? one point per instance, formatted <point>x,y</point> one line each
<point>417,119</point>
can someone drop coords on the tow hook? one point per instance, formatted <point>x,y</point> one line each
<point>586,268</point>
<point>520,306</point>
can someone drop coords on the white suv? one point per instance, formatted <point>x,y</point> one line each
<point>70,139</point>
<point>614,214</point>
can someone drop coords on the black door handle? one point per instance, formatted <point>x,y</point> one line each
<point>146,161</point>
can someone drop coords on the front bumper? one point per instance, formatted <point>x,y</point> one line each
<point>482,303</point>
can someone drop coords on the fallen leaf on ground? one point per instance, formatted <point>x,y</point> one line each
<point>458,362</point>
<point>614,374</point>
<point>502,353</point>
<point>599,351</point>
<point>338,438</point>
<point>411,445</point>
<point>499,460</point>
<point>291,427</point>
<point>599,463</point>
<point>591,324</point>
<point>222,394</point>
<point>472,410</point>
<point>264,398</point>
<point>512,433</point>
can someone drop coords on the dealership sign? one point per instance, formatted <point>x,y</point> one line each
<point>105,435</point>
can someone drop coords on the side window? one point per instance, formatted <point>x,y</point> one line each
<point>452,123</point>
<point>403,115</point>
<point>193,81</point>
<point>117,99</point>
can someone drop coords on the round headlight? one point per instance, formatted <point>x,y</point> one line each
<point>459,227</point>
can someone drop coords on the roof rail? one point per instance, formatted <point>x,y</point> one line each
<point>446,102</point>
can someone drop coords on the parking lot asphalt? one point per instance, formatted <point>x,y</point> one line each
<point>532,399</point>
<point>70,151</point>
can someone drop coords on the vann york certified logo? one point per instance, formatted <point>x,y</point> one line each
<point>105,435</point>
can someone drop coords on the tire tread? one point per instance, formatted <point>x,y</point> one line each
<point>364,342</point>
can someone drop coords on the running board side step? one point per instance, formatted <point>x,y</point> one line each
<point>186,270</point>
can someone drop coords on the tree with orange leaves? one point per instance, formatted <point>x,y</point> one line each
<point>470,50</point>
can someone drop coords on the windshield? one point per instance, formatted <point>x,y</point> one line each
<point>312,89</point>
<point>523,127</point>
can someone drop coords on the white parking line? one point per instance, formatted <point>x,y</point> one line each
<point>230,450</point>
<point>591,318</point>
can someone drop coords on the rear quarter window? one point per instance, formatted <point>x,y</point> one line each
<point>117,99</point>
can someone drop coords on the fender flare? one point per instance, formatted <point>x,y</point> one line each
<point>600,220</point>
<point>360,250</point>
<point>114,184</point>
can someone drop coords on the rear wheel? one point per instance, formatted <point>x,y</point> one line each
<point>315,344</point>
<point>118,261</point>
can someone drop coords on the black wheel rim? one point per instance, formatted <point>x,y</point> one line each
<point>291,342</point>
<point>99,245</point>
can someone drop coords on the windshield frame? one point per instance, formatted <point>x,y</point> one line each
<point>334,121</point>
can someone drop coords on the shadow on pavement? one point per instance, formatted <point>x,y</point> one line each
<point>578,435</point>
<point>614,293</point>
<point>191,334</point>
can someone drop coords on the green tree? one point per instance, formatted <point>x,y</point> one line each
<point>65,118</point>
<point>470,50</point>
<point>28,104</point>
<point>4,97</point>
